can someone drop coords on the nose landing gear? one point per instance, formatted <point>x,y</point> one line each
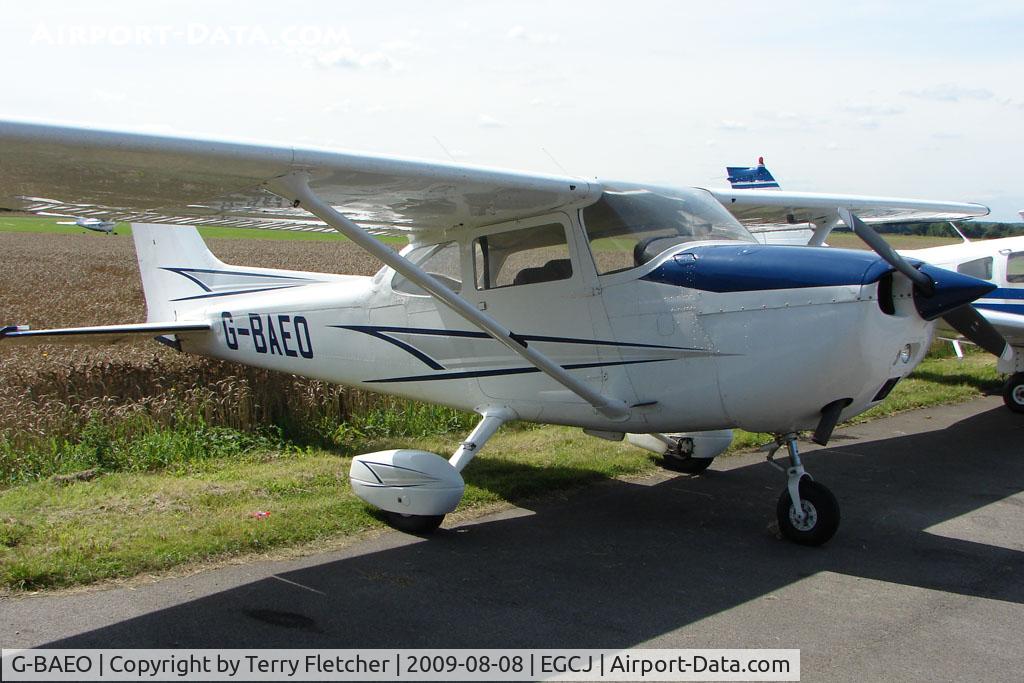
<point>808,513</point>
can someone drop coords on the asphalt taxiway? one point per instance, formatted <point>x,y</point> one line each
<point>923,581</point>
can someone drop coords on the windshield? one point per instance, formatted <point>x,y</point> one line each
<point>628,228</point>
<point>440,260</point>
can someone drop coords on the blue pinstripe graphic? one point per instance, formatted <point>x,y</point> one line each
<point>381,332</point>
<point>239,291</point>
<point>508,371</point>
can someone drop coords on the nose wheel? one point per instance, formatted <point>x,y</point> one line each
<point>1013,392</point>
<point>807,511</point>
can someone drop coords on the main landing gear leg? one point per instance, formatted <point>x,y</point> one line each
<point>808,513</point>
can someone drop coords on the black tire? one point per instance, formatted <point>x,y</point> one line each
<point>822,510</point>
<point>687,464</point>
<point>413,524</point>
<point>1013,392</point>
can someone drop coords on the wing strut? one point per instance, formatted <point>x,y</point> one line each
<point>296,188</point>
<point>822,228</point>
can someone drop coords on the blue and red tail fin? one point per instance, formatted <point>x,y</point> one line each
<point>752,177</point>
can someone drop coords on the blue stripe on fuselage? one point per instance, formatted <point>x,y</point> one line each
<point>1006,293</point>
<point>751,267</point>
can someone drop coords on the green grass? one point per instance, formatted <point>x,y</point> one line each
<point>123,524</point>
<point>845,239</point>
<point>34,224</point>
<point>187,495</point>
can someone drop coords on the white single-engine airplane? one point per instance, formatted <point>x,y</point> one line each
<point>94,224</point>
<point>1001,262</point>
<point>615,307</point>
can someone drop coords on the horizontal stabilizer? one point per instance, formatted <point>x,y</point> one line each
<point>100,334</point>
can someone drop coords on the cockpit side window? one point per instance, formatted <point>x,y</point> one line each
<point>440,260</point>
<point>1015,267</point>
<point>522,257</point>
<point>980,268</point>
<point>630,228</point>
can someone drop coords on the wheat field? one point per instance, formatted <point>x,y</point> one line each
<point>50,393</point>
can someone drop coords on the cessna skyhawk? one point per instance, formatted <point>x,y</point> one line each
<point>621,308</point>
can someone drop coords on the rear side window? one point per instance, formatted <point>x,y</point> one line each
<point>980,268</point>
<point>1015,267</point>
<point>522,257</point>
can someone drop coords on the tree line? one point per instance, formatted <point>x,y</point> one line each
<point>981,230</point>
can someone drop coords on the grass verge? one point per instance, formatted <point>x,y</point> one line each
<point>198,504</point>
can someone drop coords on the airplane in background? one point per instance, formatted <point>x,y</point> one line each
<point>94,224</point>
<point>629,310</point>
<point>758,177</point>
<point>751,177</point>
<point>999,261</point>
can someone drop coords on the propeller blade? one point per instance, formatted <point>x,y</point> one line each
<point>967,321</point>
<point>882,248</point>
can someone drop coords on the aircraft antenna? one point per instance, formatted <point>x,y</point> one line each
<point>441,145</point>
<point>957,231</point>
<point>555,161</point>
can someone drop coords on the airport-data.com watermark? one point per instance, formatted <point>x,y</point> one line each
<point>635,664</point>
<point>196,34</point>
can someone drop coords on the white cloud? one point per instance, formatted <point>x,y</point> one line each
<point>400,46</point>
<point>1010,102</point>
<point>871,108</point>
<point>520,33</point>
<point>789,119</point>
<point>347,57</point>
<point>108,96</point>
<point>949,92</point>
<point>486,121</point>
<point>342,107</point>
<point>548,104</point>
<point>728,124</point>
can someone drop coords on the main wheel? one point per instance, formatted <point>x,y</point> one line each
<point>1013,392</point>
<point>821,514</point>
<point>679,458</point>
<point>413,524</point>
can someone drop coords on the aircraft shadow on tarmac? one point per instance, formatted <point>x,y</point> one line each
<point>623,563</point>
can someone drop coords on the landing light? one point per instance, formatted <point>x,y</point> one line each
<point>905,354</point>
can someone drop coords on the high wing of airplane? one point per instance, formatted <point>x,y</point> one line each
<point>631,311</point>
<point>775,216</point>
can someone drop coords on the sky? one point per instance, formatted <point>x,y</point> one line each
<point>914,99</point>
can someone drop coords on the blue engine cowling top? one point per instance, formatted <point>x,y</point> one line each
<point>750,267</point>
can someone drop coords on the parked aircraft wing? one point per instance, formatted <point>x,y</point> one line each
<point>775,207</point>
<point>100,334</point>
<point>155,179</point>
<point>1010,325</point>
